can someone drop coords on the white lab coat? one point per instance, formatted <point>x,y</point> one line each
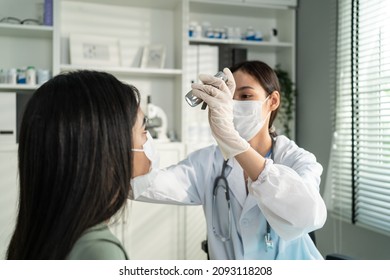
<point>286,194</point>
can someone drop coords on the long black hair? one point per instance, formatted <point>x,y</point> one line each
<point>266,77</point>
<point>75,161</point>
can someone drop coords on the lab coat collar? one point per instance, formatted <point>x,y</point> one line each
<point>250,201</point>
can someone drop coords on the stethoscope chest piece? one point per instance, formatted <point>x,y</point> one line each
<point>269,245</point>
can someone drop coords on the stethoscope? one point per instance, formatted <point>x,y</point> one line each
<point>221,182</point>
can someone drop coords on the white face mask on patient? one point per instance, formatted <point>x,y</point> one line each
<point>154,157</point>
<point>150,151</point>
<point>247,117</point>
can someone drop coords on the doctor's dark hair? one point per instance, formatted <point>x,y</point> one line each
<point>266,77</point>
<point>75,161</point>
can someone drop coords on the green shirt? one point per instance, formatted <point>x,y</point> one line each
<point>98,243</point>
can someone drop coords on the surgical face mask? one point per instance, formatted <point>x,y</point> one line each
<point>150,151</point>
<point>247,117</point>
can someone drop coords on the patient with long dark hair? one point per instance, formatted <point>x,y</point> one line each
<point>75,165</point>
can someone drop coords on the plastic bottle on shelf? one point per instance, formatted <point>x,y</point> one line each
<point>205,28</point>
<point>237,33</point>
<point>31,75</point>
<point>21,76</point>
<point>195,30</point>
<point>230,32</point>
<point>217,33</point>
<point>250,34</point>
<point>3,76</point>
<point>198,31</point>
<point>192,29</point>
<point>258,36</point>
<point>43,75</point>
<point>210,33</point>
<point>12,75</point>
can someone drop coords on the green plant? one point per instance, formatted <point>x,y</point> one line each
<point>288,94</point>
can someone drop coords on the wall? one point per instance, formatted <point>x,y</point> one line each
<point>314,125</point>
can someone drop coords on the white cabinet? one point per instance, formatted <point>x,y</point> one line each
<point>260,17</point>
<point>23,45</point>
<point>9,194</point>
<point>8,118</point>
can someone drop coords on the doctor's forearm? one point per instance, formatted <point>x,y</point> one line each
<point>170,185</point>
<point>252,162</point>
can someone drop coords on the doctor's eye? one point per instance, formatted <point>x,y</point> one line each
<point>246,96</point>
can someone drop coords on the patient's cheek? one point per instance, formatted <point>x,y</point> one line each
<point>141,164</point>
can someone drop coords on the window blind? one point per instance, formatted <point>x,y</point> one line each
<point>359,179</point>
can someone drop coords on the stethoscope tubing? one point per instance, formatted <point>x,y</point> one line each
<point>223,178</point>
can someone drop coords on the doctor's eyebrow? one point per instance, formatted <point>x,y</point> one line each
<point>244,88</point>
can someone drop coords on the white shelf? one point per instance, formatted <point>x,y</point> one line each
<point>240,43</point>
<point>243,4</point>
<point>16,87</point>
<point>154,4</point>
<point>125,70</point>
<point>20,30</point>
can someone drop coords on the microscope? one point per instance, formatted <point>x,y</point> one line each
<point>157,122</point>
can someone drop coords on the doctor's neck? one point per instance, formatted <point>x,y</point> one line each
<point>262,142</point>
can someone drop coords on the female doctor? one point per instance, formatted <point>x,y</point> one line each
<point>260,192</point>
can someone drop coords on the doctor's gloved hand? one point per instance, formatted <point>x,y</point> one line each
<point>219,97</point>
